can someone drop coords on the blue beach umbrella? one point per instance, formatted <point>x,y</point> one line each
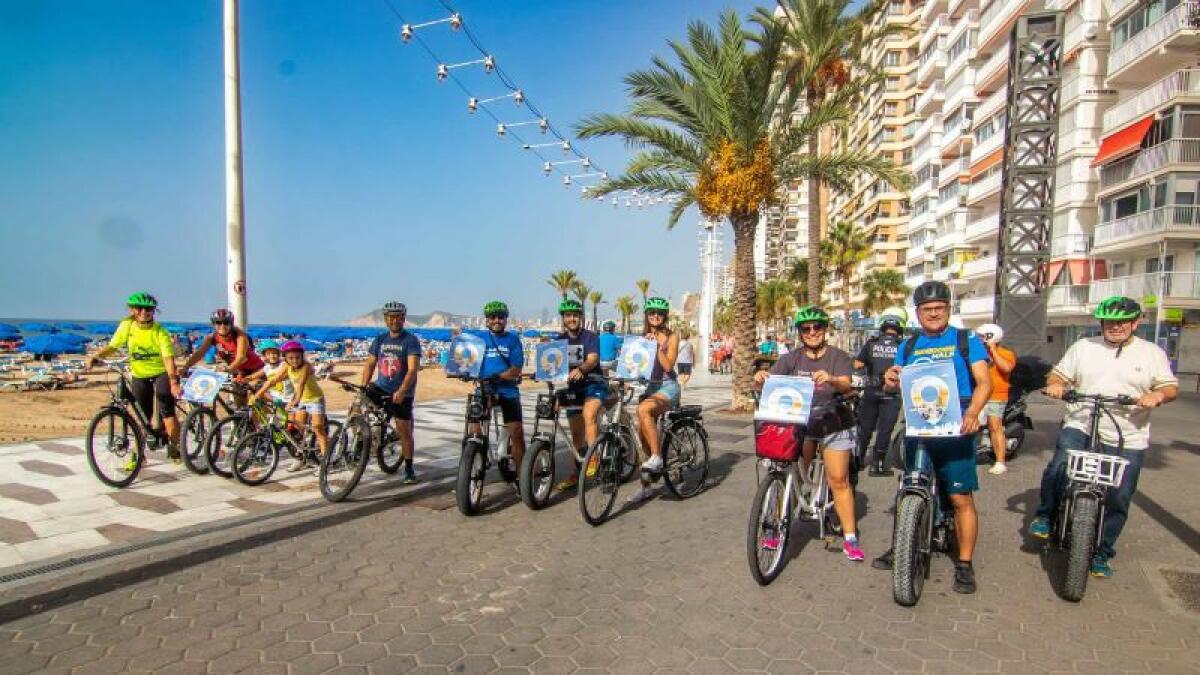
<point>52,345</point>
<point>8,327</point>
<point>71,326</point>
<point>37,327</point>
<point>312,345</point>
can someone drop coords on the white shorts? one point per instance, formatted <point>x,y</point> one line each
<point>312,407</point>
<point>841,441</point>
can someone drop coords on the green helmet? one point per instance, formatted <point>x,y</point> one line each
<point>495,307</point>
<point>657,305</point>
<point>142,299</point>
<point>569,305</point>
<point>610,325</point>
<point>1117,308</point>
<point>267,345</point>
<point>811,314</point>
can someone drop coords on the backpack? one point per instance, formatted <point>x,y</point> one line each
<point>964,351</point>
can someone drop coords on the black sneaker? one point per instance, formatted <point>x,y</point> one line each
<point>964,578</point>
<point>883,562</point>
<point>410,476</point>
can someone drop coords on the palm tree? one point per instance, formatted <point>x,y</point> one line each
<point>842,249</point>
<point>825,41</point>
<point>596,297</point>
<point>723,316</point>
<point>563,281</point>
<point>581,291</point>
<point>776,299</point>
<point>883,288</point>
<point>626,307</point>
<point>643,285</point>
<point>709,134</point>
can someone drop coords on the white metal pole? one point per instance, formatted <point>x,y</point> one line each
<point>1159,308</point>
<point>235,235</point>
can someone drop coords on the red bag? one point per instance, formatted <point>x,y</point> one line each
<point>773,440</point>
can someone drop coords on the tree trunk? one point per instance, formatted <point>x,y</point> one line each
<point>814,221</point>
<point>744,310</point>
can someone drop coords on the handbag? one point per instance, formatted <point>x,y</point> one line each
<point>777,441</point>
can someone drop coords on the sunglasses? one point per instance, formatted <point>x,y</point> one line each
<point>812,328</point>
<point>143,309</point>
<point>222,323</point>
<point>498,315</point>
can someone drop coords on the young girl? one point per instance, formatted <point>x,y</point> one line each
<point>663,392</point>
<point>272,357</point>
<point>307,397</point>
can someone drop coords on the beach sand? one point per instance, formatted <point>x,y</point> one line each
<point>41,415</point>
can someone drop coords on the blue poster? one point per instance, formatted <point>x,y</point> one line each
<point>785,399</point>
<point>930,395</point>
<point>466,356</point>
<point>636,360</point>
<point>203,385</point>
<point>551,362</point>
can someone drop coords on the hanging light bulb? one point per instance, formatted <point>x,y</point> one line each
<point>406,33</point>
<point>603,175</point>
<point>442,72</point>
<point>500,130</point>
<point>566,146</point>
<point>566,181</point>
<point>489,64</point>
<point>587,163</point>
<point>456,21</point>
<point>472,104</point>
<point>547,168</point>
<point>543,125</point>
<point>518,97</point>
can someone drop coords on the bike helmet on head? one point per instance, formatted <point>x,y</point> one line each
<point>931,291</point>
<point>569,305</point>
<point>494,308</point>
<point>267,345</point>
<point>1117,308</point>
<point>395,308</point>
<point>221,316</point>
<point>990,333</point>
<point>658,305</point>
<point>811,314</point>
<point>610,326</point>
<point>291,346</point>
<point>893,317</point>
<point>142,299</point>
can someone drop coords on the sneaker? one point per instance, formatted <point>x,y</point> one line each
<point>1040,528</point>
<point>131,463</point>
<point>770,542</point>
<point>964,578</point>
<point>1100,567</point>
<point>643,493</point>
<point>654,464</point>
<point>297,466</point>
<point>852,551</point>
<point>883,562</point>
<point>410,476</point>
<point>998,468</point>
<point>571,481</point>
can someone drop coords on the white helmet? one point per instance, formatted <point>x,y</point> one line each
<point>896,316</point>
<point>990,333</point>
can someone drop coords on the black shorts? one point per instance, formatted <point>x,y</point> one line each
<point>683,368</point>
<point>146,391</point>
<point>397,411</point>
<point>510,409</point>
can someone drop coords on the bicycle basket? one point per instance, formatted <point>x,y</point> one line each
<point>773,440</point>
<point>1097,468</point>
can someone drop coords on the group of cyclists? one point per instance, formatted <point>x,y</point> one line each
<point>1116,362</point>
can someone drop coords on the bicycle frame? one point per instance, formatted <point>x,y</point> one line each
<point>122,400</point>
<point>548,408</point>
<point>1075,489</point>
<point>920,480</point>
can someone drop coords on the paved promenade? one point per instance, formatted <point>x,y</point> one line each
<point>399,581</point>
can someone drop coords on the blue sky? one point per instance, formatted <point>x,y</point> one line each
<point>366,180</point>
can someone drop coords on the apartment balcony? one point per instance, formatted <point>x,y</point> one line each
<point>960,88</point>
<point>935,29</point>
<point>933,66</point>
<point>987,146</point>
<point>979,268</point>
<point>1069,188</point>
<point>1067,245</point>
<point>923,188</point>
<point>945,274</point>
<point>983,228</point>
<point>947,240</point>
<point>930,100</point>
<point>968,21</point>
<point>994,103</point>
<point>914,280</point>
<point>1178,222</point>
<point>981,190</point>
<point>951,170</point>
<point>1175,288</point>
<point>932,9</point>
<point>1179,84</point>
<point>1167,44</point>
<point>1068,299</point>
<point>1177,151</point>
<point>993,73</point>
<point>949,206</point>
<point>997,18</point>
<point>1117,8</point>
<point>978,307</point>
<point>955,8</point>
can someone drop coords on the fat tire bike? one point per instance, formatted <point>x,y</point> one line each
<point>341,471</point>
<point>924,525</point>
<point>491,446</point>
<point>119,435</point>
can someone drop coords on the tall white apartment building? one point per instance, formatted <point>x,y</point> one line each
<point>781,237</point>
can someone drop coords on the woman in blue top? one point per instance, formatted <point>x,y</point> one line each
<point>663,392</point>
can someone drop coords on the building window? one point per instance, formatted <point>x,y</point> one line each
<point>1140,19</point>
<point>891,58</point>
<point>891,108</point>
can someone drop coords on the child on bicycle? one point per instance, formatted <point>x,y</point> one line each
<point>307,397</point>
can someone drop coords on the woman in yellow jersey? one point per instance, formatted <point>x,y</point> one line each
<point>308,398</point>
<point>151,364</point>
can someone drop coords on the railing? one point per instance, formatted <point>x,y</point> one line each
<point>1168,284</point>
<point>1155,220</point>
<point>1069,244</point>
<point>986,226</point>
<point>1167,25</point>
<point>1152,98</point>
<point>928,96</point>
<point>979,266</point>
<point>934,32</point>
<point>937,60</point>
<point>975,306</point>
<point>993,18</point>
<point>991,67</point>
<point>987,146</point>
<point>1067,296</point>
<point>984,188</point>
<point>992,104</point>
<point>952,168</point>
<point>1177,150</point>
<point>1118,7</point>
<point>958,85</point>
<point>947,239</point>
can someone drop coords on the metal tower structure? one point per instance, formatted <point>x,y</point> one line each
<point>710,263</point>
<point>1030,161</point>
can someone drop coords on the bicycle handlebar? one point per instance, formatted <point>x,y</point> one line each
<point>1077,397</point>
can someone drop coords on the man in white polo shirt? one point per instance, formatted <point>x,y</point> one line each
<point>1115,363</point>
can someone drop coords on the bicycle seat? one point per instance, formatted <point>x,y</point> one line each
<point>686,411</point>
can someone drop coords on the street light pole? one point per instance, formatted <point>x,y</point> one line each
<point>235,214</point>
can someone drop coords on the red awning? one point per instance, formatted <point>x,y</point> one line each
<point>1123,142</point>
<point>1052,270</point>
<point>1082,272</point>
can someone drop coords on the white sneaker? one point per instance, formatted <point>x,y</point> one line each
<point>998,468</point>
<point>643,493</point>
<point>653,464</point>
<point>297,466</point>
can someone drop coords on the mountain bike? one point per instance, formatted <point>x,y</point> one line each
<point>924,525</point>
<point>1079,521</point>
<point>119,434</point>
<point>480,450</point>
<point>340,472</point>
<point>683,440</point>
<point>256,456</point>
<point>200,422</point>
<point>223,439</point>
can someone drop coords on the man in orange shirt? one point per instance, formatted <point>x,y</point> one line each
<point>1001,361</point>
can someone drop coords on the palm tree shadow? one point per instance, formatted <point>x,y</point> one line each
<point>1026,503</point>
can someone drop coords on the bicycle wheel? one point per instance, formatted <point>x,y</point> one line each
<point>196,427</point>
<point>223,440</point>
<point>770,526</point>
<point>390,453</point>
<point>472,473</point>
<point>629,458</point>
<point>115,447</point>
<point>255,458</point>
<point>345,459</point>
<point>910,561</point>
<point>685,459</point>
<point>599,479</point>
<point>1080,544</point>
<point>537,474</point>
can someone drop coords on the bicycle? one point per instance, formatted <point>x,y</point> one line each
<point>478,450</point>
<point>1079,520</point>
<point>780,499</point>
<point>341,472</point>
<point>224,437</point>
<point>201,421</point>
<point>256,455</point>
<point>924,525</point>
<point>123,437</point>
<point>685,451</point>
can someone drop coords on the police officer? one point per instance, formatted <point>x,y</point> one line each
<point>878,410</point>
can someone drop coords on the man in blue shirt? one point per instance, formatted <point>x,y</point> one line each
<point>504,358</point>
<point>586,390</point>
<point>610,345</point>
<point>395,357</point>
<point>953,458</point>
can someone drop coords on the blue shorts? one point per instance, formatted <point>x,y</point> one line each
<point>575,397</point>
<point>668,389</point>
<point>953,461</point>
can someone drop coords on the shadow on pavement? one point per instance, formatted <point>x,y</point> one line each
<point>1182,531</point>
